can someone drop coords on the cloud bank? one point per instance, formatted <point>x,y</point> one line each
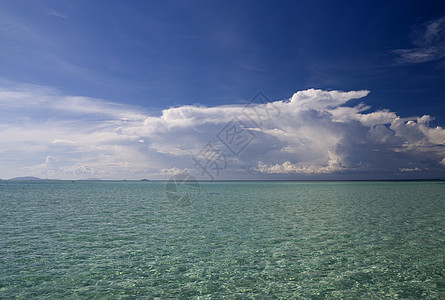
<point>313,134</point>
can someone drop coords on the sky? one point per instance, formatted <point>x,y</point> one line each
<point>222,89</point>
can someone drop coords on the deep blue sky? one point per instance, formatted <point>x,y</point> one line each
<point>162,53</point>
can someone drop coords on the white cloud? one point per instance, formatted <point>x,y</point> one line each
<point>313,132</point>
<point>52,12</point>
<point>51,163</point>
<point>37,98</point>
<point>62,141</point>
<point>81,170</point>
<point>410,169</point>
<point>333,164</point>
<point>429,39</point>
<point>176,171</point>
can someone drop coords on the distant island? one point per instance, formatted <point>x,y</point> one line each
<point>145,179</point>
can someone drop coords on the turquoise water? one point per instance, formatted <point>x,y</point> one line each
<point>262,240</point>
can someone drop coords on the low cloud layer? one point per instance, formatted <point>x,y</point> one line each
<point>313,133</point>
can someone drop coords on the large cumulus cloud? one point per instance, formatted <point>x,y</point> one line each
<point>312,133</point>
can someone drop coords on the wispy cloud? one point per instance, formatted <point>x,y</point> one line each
<point>31,46</point>
<point>429,41</point>
<point>52,12</point>
<point>316,132</point>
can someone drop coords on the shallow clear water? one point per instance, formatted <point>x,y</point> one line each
<point>314,240</point>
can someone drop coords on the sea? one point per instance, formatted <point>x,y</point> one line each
<point>232,240</point>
